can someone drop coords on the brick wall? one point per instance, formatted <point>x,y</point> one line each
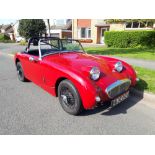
<point>84,23</point>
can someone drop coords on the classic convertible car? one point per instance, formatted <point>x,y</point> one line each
<point>79,80</point>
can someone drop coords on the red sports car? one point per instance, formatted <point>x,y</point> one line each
<point>79,80</point>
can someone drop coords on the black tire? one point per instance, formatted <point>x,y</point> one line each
<point>69,98</point>
<point>20,72</point>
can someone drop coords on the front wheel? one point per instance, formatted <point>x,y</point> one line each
<point>20,72</point>
<point>69,98</point>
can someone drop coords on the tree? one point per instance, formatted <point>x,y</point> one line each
<point>31,27</point>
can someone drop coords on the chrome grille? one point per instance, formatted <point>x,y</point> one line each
<point>118,88</point>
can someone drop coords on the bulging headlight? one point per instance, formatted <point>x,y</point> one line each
<point>118,66</point>
<point>95,73</point>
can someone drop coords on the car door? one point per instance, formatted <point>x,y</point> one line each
<point>32,66</point>
<point>34,69</point>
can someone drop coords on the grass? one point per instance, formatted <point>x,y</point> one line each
<point>137,53</point>
<point>147,79</point>
<point>7,41</point>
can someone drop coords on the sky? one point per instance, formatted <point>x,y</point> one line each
<point>7,21</point>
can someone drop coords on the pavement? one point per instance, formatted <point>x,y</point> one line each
<point>27,109</point>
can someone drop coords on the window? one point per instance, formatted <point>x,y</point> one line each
<point>128,25</point>
<point>135,25</point>
<point>85,32</point>
<point>142,25</point>
<point>139,24</point>
<point>89,33</point>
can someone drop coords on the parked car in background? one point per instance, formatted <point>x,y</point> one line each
<point>80,80</point>
<point>19,39</point>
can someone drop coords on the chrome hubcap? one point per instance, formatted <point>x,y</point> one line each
<point>19,72</point>
<point>67,97</point>
<point>64,98</point>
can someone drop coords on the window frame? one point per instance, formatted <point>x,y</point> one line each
<point>138,27</point>
<point>87,29</point>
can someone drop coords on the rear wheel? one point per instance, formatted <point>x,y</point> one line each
<point>20,72</point>
<point>69,98</point>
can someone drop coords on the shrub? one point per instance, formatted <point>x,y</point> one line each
<point>124,39</point>
<point>3,38</point>
<point>23,43</point>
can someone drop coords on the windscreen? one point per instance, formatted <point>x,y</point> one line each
<point>71,45</point>
<point>52,46</point>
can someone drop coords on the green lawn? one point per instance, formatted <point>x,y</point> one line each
<point>147,79</point>
<point>138,53</point>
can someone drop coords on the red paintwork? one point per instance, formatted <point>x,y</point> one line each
<point>75,66</point>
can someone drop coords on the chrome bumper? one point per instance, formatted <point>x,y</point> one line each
<point>118,88</point>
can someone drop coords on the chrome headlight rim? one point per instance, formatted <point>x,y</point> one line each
<point>119,66</point>
<point>95,73</point>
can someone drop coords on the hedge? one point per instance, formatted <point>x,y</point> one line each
<point>124,39</point>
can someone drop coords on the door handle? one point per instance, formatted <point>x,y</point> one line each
<point>32,59</point>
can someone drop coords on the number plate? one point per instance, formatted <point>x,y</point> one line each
<point>119,99</point>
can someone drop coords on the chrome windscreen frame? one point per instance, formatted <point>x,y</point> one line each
<point>43,38</point>
<point>39,45</point>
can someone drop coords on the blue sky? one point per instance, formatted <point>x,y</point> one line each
<point>7,21</point>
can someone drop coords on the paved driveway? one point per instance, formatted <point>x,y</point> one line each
<point>11,47</point>
<point>27,109</point>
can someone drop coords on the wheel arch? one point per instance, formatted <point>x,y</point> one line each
<point>86,91</point>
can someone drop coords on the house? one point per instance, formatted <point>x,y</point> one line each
<point>89,30</point>
<point>128,24</point>
<point>61,28</point>
<point>92,30</point>
<point>0,28</point>
<point>7,30</point>
<point>15,28</point>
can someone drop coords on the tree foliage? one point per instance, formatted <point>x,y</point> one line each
<point>31,27</point>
